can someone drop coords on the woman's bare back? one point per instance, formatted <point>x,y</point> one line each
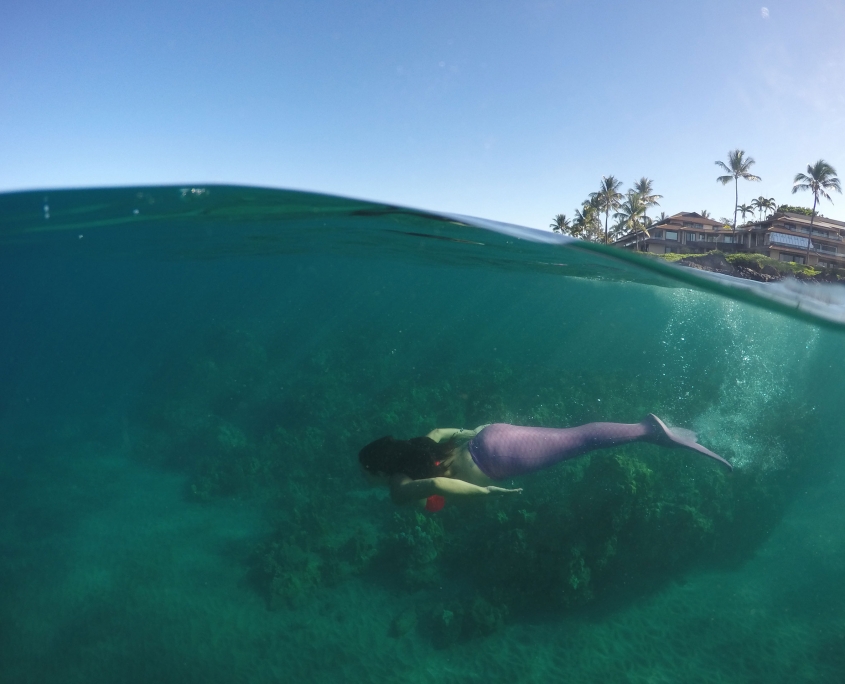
<point>461,466</point>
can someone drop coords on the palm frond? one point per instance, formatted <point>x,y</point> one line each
<point>820,178</point>
<point>560,224</point>
<point>738,166</point>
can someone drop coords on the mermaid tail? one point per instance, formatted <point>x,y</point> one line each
<point>665,437</point>
<point>502,451</point>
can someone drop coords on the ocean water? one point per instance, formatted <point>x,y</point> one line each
<point>187,374</point>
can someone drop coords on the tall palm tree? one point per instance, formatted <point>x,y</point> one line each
<point>560,224</point>
<point>644,187</point>
<point>745,209</point>
<point>579,223</point>
<point>608,198</point>
<point>737,167</point>
<point>820,178</point>
<point>762,205</point>
<point>771,205</point>
<point>631,215</point>
<point>704,213</point>
<point>587,224</point>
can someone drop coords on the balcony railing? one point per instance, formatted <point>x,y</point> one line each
<point>803,250</point>
<point>816,234</point>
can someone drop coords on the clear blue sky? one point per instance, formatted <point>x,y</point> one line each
<point>507,110</point>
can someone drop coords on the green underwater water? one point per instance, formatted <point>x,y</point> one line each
<point>187,374</point>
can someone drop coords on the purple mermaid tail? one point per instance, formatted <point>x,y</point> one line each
<point>502,451</point>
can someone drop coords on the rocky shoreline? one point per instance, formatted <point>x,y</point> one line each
<point>717,263</point>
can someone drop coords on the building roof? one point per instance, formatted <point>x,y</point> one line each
<point>803,220</point>
<point>691,216</point>
<point>819,220</point>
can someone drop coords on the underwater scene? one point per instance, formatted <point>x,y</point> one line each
<point>187,375</point>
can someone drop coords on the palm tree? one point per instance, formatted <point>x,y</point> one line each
<point>644,187</point>
<point>560,224</point>
<point>704,213</point>
<point>771,205</point>
<point>608,198</point>
<point>745,209</point>
<point>663,217</point>
<point>587,224</point>
<point>628,218</point>
<point>761,204</point>
<point>820,178</point>
<point>579,223</point>
<point>737,167</point>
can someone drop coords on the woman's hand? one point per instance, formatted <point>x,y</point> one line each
<point>502,490</point>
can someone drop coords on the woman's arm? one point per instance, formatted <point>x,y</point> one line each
<point>405,490</point>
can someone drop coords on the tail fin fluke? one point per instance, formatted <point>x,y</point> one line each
<point>676,438</point>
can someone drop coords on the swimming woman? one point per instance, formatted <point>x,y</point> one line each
<point>451,462</point>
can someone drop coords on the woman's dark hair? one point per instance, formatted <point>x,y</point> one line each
<point>418,458</point>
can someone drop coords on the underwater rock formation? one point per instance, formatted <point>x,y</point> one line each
<point>615,521</point>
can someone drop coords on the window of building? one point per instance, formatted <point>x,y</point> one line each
<point>671,234</point>
<point>792,258</point>
<point>790,226</point>
<point>658,233</point>
<point>667,250</point>
<point>825,248</point>
<point>790,240</point>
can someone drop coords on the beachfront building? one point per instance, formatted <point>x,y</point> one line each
<point>685,232</point>
<point>782,236</point>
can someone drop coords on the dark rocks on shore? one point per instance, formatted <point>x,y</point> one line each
<point>717,263</point>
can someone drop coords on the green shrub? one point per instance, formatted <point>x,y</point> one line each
<point>760,261</point>
<point>788,208</point>
<point>756,262</point>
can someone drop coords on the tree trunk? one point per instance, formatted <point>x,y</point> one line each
<point>810,234</point>
<point>606,215</point>
<point>645,218</point>
<point>736,199</point>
